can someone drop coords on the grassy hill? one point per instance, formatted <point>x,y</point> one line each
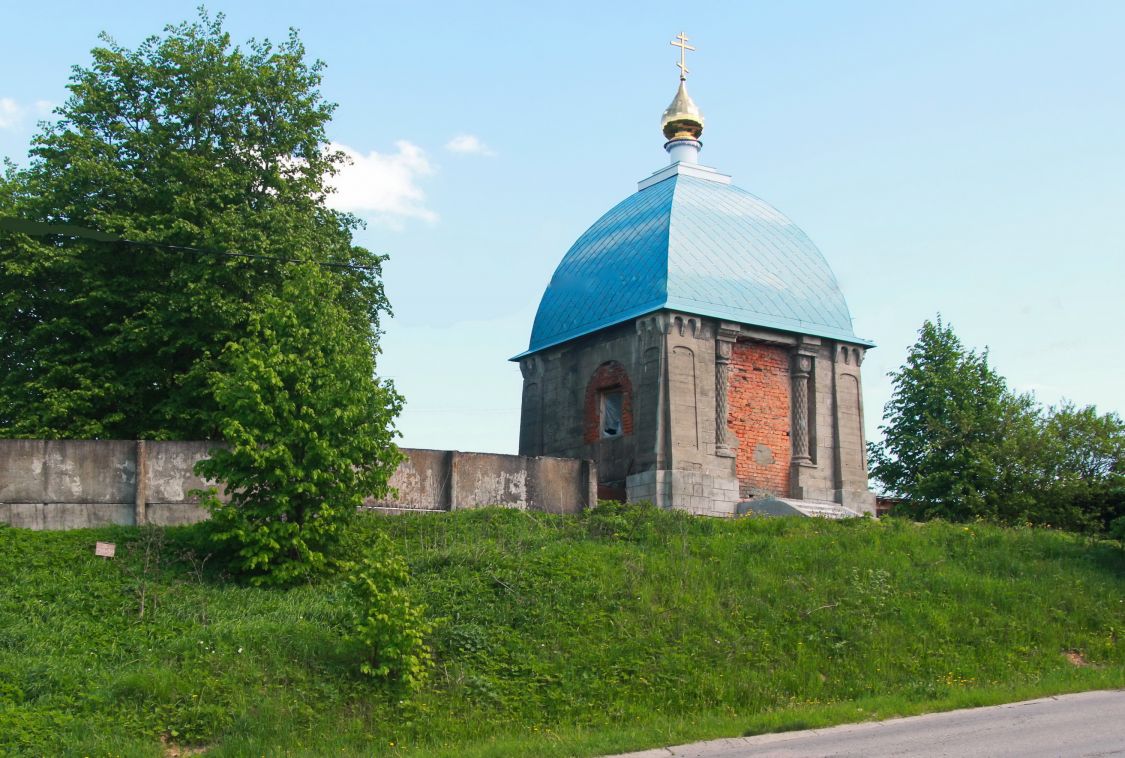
<point>620,629</point>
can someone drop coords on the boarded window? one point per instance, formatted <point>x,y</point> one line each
<point>607,407</point>
<point>611,402</point>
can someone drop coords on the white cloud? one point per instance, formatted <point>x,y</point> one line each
<point>468,144</point>
<point>383,187</point>
<point>13,114</point>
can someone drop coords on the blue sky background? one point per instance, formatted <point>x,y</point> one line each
<point>961,157</point>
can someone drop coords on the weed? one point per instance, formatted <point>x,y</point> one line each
<point>145,570</point>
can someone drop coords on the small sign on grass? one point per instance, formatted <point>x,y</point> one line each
<point>105,549</point>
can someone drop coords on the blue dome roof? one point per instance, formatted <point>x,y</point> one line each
<point>694,245</point>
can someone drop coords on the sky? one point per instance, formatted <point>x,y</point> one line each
<point>961,158</point>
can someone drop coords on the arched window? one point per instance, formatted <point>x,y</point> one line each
<point>609,403</point>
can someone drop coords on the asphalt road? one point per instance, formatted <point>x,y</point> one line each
<point>1086,724</point>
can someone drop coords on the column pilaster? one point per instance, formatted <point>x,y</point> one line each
<point>725,338</point>
<point>802,371</point>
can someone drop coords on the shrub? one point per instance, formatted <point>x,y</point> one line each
<point>309,433</point>
<point>387,622</point>
<point>1117,529</point>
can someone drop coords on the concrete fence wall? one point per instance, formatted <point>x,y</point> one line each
<point>71,484</point>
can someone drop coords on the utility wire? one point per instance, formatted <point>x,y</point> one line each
<point>40,229</point>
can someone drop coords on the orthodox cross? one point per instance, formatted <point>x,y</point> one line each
<point>681,42</point>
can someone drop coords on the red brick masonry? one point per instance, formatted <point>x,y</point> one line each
<point>609,375</point>
<point>759,415</point>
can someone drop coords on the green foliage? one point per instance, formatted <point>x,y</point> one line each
<point>554,642</point>
<point>958,444</point>
<point>191,141</point>
<point>944,429</point>
<point>624,521</point>
<point>186,140</point>
<point>308,428</point>
<point>390,626</point>
<point>1117,529</point>
<point>1085,467</point>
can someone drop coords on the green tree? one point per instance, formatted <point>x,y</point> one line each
<point>958,444</point>
<point>243,312</point>
<point>308,431</point>
<point>1084,468</point>
<point>186,140</point>
<point>954,436</point>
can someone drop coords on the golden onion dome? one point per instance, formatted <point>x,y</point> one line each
<point>682,119</point>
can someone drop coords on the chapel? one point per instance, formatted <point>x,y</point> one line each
<point>695,344</point>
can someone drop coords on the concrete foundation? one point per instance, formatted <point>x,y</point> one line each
<point>691,491</point>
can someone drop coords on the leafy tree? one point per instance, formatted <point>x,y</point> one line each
<point>1084,468</point>
<point>190,141</point>
<point>309,432</point>
<point>240,310</point>
<point>1091,446</point>
<point>944,429</point>
<point>958,444</point>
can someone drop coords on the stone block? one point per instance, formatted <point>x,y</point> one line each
<point>55,516</point>
<point>422,481</point>
<point>168,471</point>
<point>21,471</point>
<point>175,514</point>
<point>89,471</point>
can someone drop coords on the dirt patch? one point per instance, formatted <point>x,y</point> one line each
<point>172,750</point>
<point>1076,658</point>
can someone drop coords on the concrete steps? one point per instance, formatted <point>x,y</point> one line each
<point>784,506</point>
<point>822,510</point>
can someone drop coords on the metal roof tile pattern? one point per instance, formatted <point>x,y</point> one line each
<point>698,246</point>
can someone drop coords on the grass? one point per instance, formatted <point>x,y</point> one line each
<point>619,629</point>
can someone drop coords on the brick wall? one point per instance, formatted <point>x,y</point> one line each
<point>759,416</point>
<point>609,375</point>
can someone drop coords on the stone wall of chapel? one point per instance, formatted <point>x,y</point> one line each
<point>668,451</point>
<point>851,463</point>
<point>556,415</point>
<point>759,415</point>
<point>689,346</point>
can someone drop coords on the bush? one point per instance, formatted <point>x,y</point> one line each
<point>309,433</point>
<point>1117,529</point>
<point>387,622</point>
